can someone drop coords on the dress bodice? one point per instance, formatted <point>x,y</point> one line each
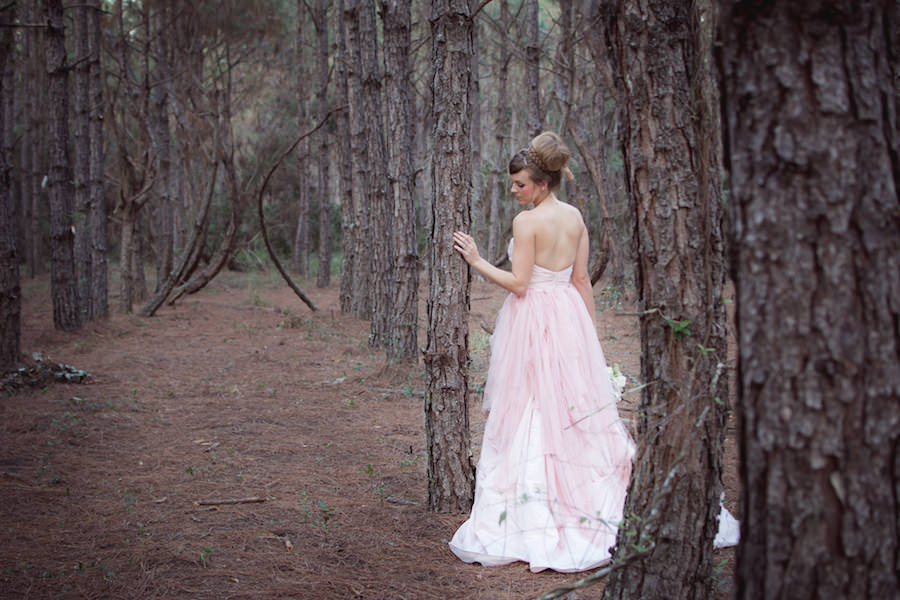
<point>542,278</point>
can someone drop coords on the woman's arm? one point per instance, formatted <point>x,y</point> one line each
<point>580,277</point>
<point>522,259</point>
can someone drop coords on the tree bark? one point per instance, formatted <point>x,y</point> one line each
<point>397,85</point>
<point>81,147</point>
<point>451,481</point>
<point>301,237</point>
<point>161,140</point>
<point>32,141</point>
<point>533,67</point>
<point>323,275</point>
<point>380,205</point>
<point>501,134</point>
<point>99,281</point>
<point>662,53</point>
<point>64,288</point>
<point>812,140</point>
<point>345,165</point>
<point>10,293</point>
<point>361,234</point>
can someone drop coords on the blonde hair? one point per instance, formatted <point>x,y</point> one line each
<point>546,158</point>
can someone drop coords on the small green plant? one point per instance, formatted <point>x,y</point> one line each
<point>205,554</point>
<point>316,514</point>
<point>679,328</point>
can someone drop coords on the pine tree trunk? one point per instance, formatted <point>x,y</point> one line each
<point>380,205</point>
<point>348,215</point>
<point>32,87</point>
<point>397,86</point>
<point>670,157</point>
<point>161,140</point>
<point>501,133</point>
<point>82,160</point>
<point>323,276</point>
<point>451,481</point>
<point>533,66</point>
<point>361,240</point>
<point>10,293</point>
<point>813,138</point>
<point>301,236</point>
<point>99,293</point>
<point>64,288</point>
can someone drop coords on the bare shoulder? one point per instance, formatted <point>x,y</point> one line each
<point>524,221</point>
<point>572,211</point>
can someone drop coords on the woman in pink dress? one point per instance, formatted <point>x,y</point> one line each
<point>555,460</point>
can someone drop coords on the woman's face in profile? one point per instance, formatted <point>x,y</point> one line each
<point>524,188</point>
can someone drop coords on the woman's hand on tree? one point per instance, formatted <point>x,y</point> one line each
<point>465,245</point>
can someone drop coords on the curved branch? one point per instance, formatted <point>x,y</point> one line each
<point>262,221</point>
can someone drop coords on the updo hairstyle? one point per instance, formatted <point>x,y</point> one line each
<point>546,158</point>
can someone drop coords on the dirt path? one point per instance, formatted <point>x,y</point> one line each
<point>237,393</point>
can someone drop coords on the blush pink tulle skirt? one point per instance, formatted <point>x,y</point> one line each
<point>556,459</point>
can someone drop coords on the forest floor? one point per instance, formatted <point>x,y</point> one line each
<point>240,392</point>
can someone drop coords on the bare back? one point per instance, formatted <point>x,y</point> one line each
<point>557,230</point>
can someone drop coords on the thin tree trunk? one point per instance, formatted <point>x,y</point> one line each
<point>532,67</point>
<point>380,207</point>
<point>479,202</point>
<point>813,139</point>
<point>10,294</point>
<point>161,140</point>
<point>64,287</point>
<point>362,303</point>
<point>405,316</point>
<point>99,293</point>
<point>323,276</point>
<point>671,158</point>
<point>32,142</point>
<point>499,189</point>
<point>451,475</point>
<point>348,215</point>
<point>301,235</point>
<point>81,147</point>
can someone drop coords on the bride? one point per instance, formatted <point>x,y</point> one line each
<point>555,461</point>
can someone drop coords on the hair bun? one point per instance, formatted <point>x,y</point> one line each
<point>549,152</point>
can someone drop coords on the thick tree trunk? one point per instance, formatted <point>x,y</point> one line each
<point>361,234</point>
<point>813,139</point>
<point>501,133</point>
<point>405,316</point>
<point>99,284</point>
<point>323,275</point>
<point>670,156</point>
<point>81,147</point>
<point>161,141</point>
<point>451,481</point>
<point>533,66</point>
<point>32,140</point>
<point>10,294</point>
<point>64,288</point>
<point>380,205</point>
<point>342,121</point>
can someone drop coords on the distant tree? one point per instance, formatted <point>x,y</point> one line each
<point>10,295</point>
<point>345,166</point>
<point>64,289</point>
<point>32,90</point>
<point>397,90</point>
<point>813,138</point>
<point>97,219</point>
<point>451,478</point>
<point>533,66</point>
<point>670,151</point>
<point>302,237</point>
<point>81,154</point>
<point>323,157</point>
<point>501,134</point>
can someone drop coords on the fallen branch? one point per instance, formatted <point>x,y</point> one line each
<point>250,500</point>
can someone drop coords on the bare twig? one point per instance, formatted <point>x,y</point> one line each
<point>250,500</point>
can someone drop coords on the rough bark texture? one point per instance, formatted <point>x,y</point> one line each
<point>451,481</point>
<point>32,138</point>
<point>359,245</point>
<point>669,153</point>
<point>301,236</point>
<point>813,139</point>
<point>342,122</point>
<point>64,289</point>
<point>533,67</point>
<point>81,146</point>
<point>380,202</point>
<point>161,141</point>
<point>323,275</point>
<point>397,85</point>
<point>99,302</point>
<point>501,133</point>
<point>10,294</point>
